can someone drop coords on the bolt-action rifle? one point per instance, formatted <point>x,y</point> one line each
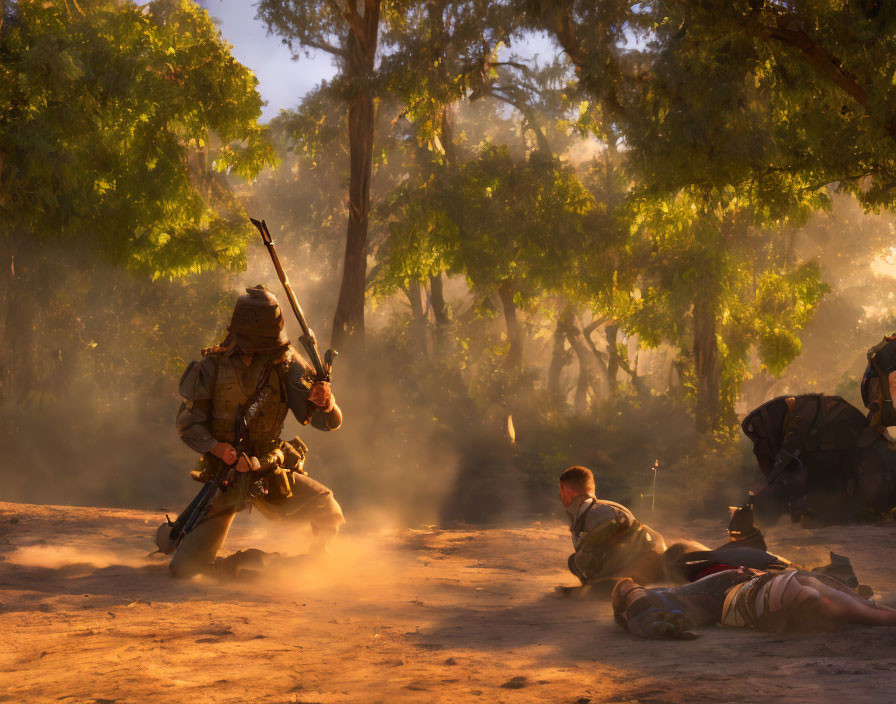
<point>308,340</point>
<point>191,516</point>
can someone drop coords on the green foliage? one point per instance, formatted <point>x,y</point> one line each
<point>711,138</point>
<point>649,239</point>
<point>120,130</point>
<point>699,254</point>
<point>734,117</point>
<point>724,93</point>
<point>512,214</point>
<point>117,123</point>
<point>804,90</point>
<point>784,305</point>
<point>441,53</point>
<point>493,221</point>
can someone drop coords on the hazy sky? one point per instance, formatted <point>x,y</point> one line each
<point>282,81</point>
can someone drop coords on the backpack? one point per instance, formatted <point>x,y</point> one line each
<point>789,428</point>
<point>879,382</point>
<point>806,447</point>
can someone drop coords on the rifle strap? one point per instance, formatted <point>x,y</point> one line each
<point>578,526</point>
<point>798,438</point>
<point>262,382</point>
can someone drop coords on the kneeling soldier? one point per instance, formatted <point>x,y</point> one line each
<point>254,363</point>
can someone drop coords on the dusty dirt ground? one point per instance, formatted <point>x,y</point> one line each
<point>400,616</point>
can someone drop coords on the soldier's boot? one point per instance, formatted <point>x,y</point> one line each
<point>163,539</point>
<point>672,624</point>
<point>840,568</point>
<point>742,528</point>
<point>245,565</point>
<point>196,552</point>
<point>321,537</point>
<point>634,608</point>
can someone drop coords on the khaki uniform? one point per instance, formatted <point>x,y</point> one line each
<point>611,543</point>
<point>213,389</point>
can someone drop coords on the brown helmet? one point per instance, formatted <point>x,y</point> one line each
<point>257,322</point>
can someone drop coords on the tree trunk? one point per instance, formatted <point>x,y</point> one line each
<point>7,263</point>
<point>447,138</point>
<point>436,285</point>
<point>437,297</point>
<point>18,353</point>
<point>612,334</point>
<point>514,333</point>
<point>580,400</point>
<point>707,366</point>
<point>349,318</point>
<point>588,368</point>
<point>348,321</point>
<point>414,293</point>
<point>558,356</point>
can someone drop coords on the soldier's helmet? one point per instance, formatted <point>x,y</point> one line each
<point>257,322</point>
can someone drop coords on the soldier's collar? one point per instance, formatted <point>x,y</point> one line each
<point>576,506</point>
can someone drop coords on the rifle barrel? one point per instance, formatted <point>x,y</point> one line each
<point>309,342</point>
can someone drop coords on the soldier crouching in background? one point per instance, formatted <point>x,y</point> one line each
<point>257,366</point>
<point>609,541</point>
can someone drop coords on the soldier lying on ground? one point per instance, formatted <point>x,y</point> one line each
<point>609,541</point>
<point>776,600</point>
<point>255,356</point>
<point>611,544</point>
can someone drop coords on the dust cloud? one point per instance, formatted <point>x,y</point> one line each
<point>55,556</point>
<point>420,444</point>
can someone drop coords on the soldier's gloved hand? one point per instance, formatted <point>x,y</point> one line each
<point>321,395</point>
<point>225,452</point>
<point>247,464</point>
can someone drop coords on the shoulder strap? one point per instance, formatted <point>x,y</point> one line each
<point>217,368</point>
<point>245,414</point>
<point>263,379</point>
<point>282,370</point>
<point>578,525</point>
<point>800,421</point>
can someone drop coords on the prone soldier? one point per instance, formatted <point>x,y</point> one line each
<point>609,541</point>
<point>771,600</point>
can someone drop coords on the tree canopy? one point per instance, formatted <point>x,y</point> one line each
<point>119,124</point>
<point>120,129</point>
<point>659,217</point>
